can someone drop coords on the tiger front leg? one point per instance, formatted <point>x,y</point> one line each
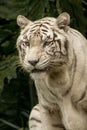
<point>51,120</point>
<point>35,119</point>
<point>43,119</point>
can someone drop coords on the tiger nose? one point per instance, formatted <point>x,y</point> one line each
<point>33,62</point>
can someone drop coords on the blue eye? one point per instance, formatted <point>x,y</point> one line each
<point>27,43</point>
<point>46,44</point>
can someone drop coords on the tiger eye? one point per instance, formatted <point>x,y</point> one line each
<point>27,43</point>
<point>46,44</point>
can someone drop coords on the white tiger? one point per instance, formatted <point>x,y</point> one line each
<point>55,55</point>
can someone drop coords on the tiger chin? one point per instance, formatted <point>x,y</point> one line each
<point>55,55</point>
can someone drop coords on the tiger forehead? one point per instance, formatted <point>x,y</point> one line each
<point>47,20</point>
<point>42,29</point>
<point>38,26</point>
<point>42,24</point>
<point>38,30</point>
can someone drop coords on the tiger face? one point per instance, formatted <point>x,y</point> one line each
<point>42,44</point>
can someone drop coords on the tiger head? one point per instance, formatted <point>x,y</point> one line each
<point>42,44</point>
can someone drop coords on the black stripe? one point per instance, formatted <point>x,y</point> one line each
<point>75,64</point>
<point>48,23</point>
<point>44,26</point>
<point>32,30</point>
<point>36,109</point>
<point>52,93</point>
<point>46,99</point>
<point>44,30</point>
<point>44,106</point>
<point>35,25</point>
<point>54,36</point>
<point>58,126</point>
<point>51,54</point>
<point>66,44</point>
<point>82,96</point>
<point>67,91</point>
<point>34,119</point>
<point>25,31</point>
<point>44,33</point>
<point>59,42</point>
<point>32,126</point>
<point>19,46</point>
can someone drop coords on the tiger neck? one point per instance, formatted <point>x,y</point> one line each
<point>58,81</point>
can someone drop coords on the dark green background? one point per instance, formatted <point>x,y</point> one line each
<point>17,91</point>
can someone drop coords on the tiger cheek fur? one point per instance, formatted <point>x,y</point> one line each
<point>55,55</point>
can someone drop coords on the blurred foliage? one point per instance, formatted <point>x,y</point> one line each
<point>7,68</point>
<point>17,91</point>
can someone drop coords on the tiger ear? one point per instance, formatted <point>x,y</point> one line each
<point>63,21</point>
<point>22,21</point>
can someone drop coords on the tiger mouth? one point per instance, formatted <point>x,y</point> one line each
<point>39,70</point>
<point>46,69</point>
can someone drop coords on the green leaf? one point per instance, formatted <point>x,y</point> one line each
<point>8,69</point>
<point>10,124</point>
